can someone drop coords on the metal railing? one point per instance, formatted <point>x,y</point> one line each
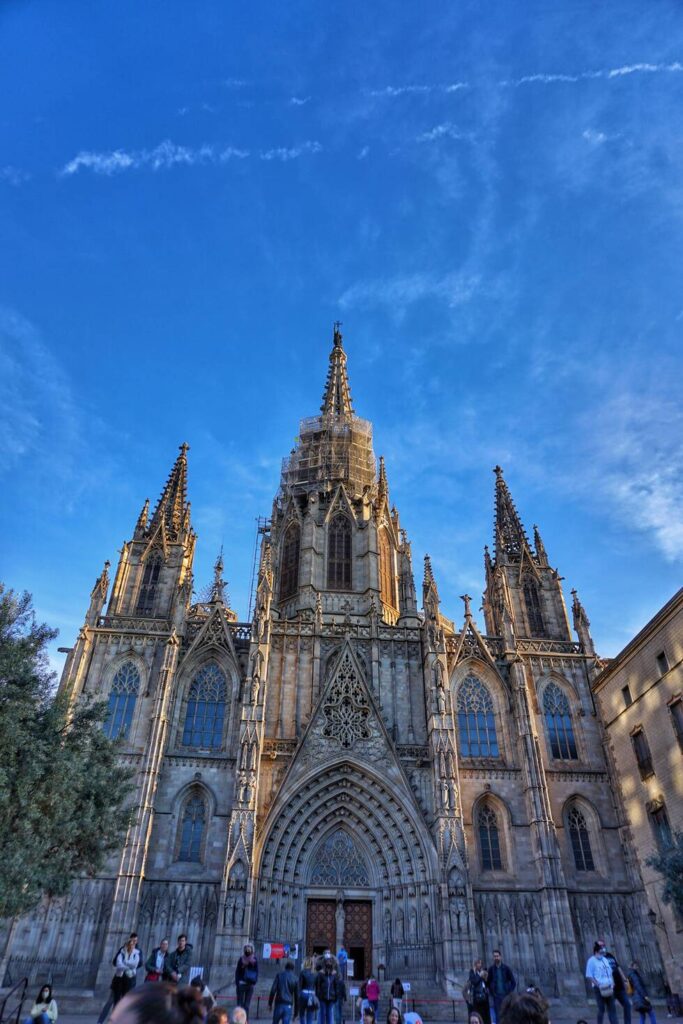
<point>18,994</point>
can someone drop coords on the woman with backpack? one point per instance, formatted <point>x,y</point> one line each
<point>308,1004</point>
<point>641,1000</point>
<point>476,994</point>
<point>246,976</point>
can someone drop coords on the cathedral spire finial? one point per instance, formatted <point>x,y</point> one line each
<point>510,538</point>
<point>382,485</point>
<point>582,625</point>
<point>337,394</point>
<point>172,506</point>
<point>218,586</point>
<point>467,601</point>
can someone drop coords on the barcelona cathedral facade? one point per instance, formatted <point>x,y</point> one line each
<point>347,766</point>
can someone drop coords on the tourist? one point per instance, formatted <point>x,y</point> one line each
<point>475,992</point>
<point>523,1008</point>
<point>500,982</point>
<point>343,959</point>
<point>373,993</point>
<point>177,967</point>
<point>160,1004</point>
<point>326,989</point>
<point>117,989</point>
<point>640,996</point>
<point>325,958</point>
<point>44,1010</point>
<point>238,1015</point>
<point>204,991</point>
<point>599,974</point>
<point>619,979</point>
<point>156,962</point>
<point>474,1018</point>
<point>397,993</point>
<point>368,1014</point>
<point>283,995</point>
<point>394,1015</point>
<point>307,1001</point>
<point>246,976</point>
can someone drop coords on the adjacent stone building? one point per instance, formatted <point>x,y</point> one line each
<point>348,766</point>
<point>640,695</point>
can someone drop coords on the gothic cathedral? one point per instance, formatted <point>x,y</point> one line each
<point>347,766</point>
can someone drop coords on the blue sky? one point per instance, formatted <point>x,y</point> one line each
<point>488,195</point>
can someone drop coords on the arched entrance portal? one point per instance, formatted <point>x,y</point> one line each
<point>346,919</point>
<point>344,854</point>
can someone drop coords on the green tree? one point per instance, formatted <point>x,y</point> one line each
<point>668,861</point>
<point>63,790</point>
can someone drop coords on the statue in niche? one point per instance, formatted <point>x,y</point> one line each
<point>230,909</point>
<point>400,934</point>
<point>238,913</point>
<point>412,925</point>
<point>339,918</point>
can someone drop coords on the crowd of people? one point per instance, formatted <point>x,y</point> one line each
<point>319,994</point>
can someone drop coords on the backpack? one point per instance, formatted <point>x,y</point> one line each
<point>116,954</point>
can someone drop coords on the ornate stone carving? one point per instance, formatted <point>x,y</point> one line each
<point>346,707</point>
<point>339,862</point>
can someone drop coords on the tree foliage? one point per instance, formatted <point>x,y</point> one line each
<point>668,861</point>
<point>63,791</point>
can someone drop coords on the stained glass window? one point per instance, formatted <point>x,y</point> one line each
<point>122,697</point>
<point>489,839</point>
<point>192,828</point>
<point>476,720</point>
<point>339,553</point>
<point>558,721</point>
<point>205,708</point>
<point>289,573</point>
<point>338,862</point>
<point>580,840</point>
<point>148,588</point>
<point>533,608</point>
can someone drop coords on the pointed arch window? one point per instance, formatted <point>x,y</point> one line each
<point>558,722</point>
<point>192,825</point>
<point>580,840</point>
<point>489,839</point>
<point>533,607</point>
<point>289,565</point>
<point>476,720</point>
<point>387,577</point>
<point>122,697</point>
<point>339,553</point>
<point>148,587</point>
<point>206,708</point>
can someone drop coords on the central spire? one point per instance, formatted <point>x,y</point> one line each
<point>337,394</point>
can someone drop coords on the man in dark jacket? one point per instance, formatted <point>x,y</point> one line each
<point>620,993</point>
<point>327,991</point>
<point>178,963</point>
<point>282,998</point>
<point>501,982</point>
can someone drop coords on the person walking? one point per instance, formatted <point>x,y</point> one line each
<point>397,993</point>
<point>326,989</point>
<point>115,993</point>
<point>307,1003</point>
<point>475,992</point>
<point>599,974</point>
<point>283,995</point>
<point>246,976</point>
<point>619,978</point>
<point>178,962</point>
<point>500,983</point>
<point>641,1000</point>
<point>372,993</point>
<point>156,962</point>
<point>44,1009</point>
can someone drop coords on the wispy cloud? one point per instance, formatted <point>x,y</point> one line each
<point>400,292</point>
<point>443,131</point>
<point>13,175</point>
<point>392,91</point>
<point>362,153</point>
<point>299,101</point>
<point>168,154</point>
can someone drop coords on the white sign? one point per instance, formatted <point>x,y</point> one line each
<point>354,991</point>
<point>349,968</point>
<point>406,986</point>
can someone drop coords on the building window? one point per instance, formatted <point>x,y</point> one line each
<point>661,826</point>
<point>289,572</point>
<point>122,697</point>
<point>192,828</point>
<point>533,608</point>
<point>676,709</point>
<point>662,663</point>
<point>641,748</point>
<point>205,709</point>
<point>626,694</point>
<point>489,839</point>
<point>476,720</point>
<point>339,553</point>
<point>580,840</point>
<point>148,588</point>
<point>558,722</point>
<point>387,578</point>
